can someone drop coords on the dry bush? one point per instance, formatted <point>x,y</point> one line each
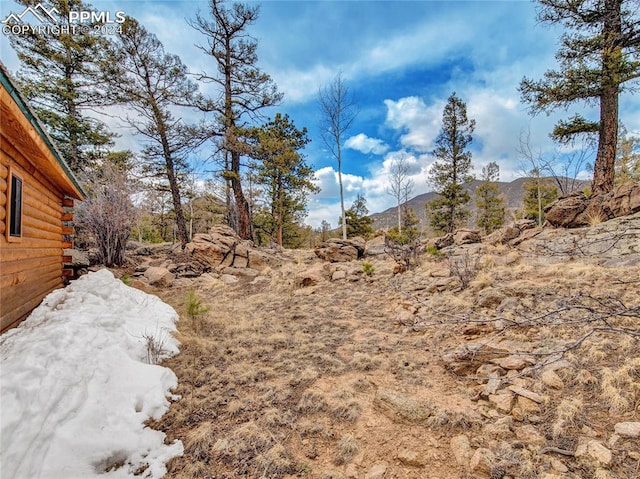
<point>347,448</point>
<point>348,411</point>
<point>312,402</point>
<point>108,214</point>
<point>464,268</point>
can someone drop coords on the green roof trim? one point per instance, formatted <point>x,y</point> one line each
<point>15,93</point>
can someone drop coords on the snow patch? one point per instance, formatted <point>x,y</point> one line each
<point>76,387</point>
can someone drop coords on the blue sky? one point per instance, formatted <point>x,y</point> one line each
<point>402,60</point>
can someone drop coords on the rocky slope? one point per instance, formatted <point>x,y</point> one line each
<point>514,357</point>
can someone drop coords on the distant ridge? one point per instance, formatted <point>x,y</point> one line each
<point>512,192</point>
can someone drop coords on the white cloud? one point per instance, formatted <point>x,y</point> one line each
<point>364,144</point>
<point>419,122</point>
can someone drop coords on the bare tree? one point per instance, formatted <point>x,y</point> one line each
<point>338,109</point>
<point>108,214</point>
<point>401,185</point>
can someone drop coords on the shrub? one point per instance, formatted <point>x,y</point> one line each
<point>368,268</point>
<point>195,309</point>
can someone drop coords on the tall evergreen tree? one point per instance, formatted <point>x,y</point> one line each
<point>597,57</point>
<point>59,75</point>
<point>283,173</point>
<point>450,171</point>
<point>539,192</point>
<point>628,157</point>
<point>151,82</point>
<point>488,200</point>
<point>246,90</point>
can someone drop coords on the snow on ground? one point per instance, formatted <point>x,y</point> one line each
<point>76,386</point>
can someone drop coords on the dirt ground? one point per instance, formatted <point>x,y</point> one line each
<point>409,375</point>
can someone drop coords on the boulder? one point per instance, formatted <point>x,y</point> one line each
<point>444,241</point>
<point>212,248</point>
<point>566,211</point>
<point>158,276</point>
<point>464,236</point>
<point>623,201</point>
<point>312,276</point>
<point>337,250</point>
<point>628,429</point>
<point>482,462</point>
<point>375,247</point>
<point>461,449</point>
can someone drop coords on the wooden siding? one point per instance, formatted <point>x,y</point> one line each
<point>31,267</point>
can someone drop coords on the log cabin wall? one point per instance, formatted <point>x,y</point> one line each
<point>31,259</point>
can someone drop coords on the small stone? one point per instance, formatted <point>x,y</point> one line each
<point>515,363</point>
<point>411,458</point>
<point>502,402</point>
<point>558,466</point>
<point>378,471</point>
<point>461,449</point>
<point>520,391</point>
<point>229,279</point>
<point>482,461</point>
<point>598,452</point>
<point>628,429</point>
<point>551,379</point>
<point>351,471</point>
<point>338,275</point>
<point>527,406</point>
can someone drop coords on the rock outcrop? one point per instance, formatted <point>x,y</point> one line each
<point>338,250</point>
<point>576,210</point>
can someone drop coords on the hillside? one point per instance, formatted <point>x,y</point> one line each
<point>529,368</point>
<point>511,191</point>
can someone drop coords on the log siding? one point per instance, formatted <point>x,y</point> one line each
<point>31,264</point>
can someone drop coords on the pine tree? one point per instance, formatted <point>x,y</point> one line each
<point>356,219</point>
<point>246,90</point>
<point>283,173</point>
<point>627,158</point>
<point>488,200</point>
<point>538,194</point>
<point>598,55</point>
<point>450,171</point>
<point>152,82</point>
<point>59,75</point>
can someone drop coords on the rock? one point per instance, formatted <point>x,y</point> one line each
<point>229,279</point>
<point>411,458</point>
<point>338,275</point>
<point>628,429</point>
<point>312,276</point>
<point>526,406</point>
<point>461,449</point>
<point>566,210</point>
<point>443,241</point>
<point>558,466</point>
<point>351,471</point>
<point>213,248</point>
<point>241,272</point>
<point>623,201</point>
<point>378,471</point>
<point>401,408</point>
<point>158,276</point>
<point>482,462</point>
<point>502,402</point>
<point>599,453</point>
<point>464,236</point>
<point>490,298</point>
<point>513,362</point>
<point>551,379</point>
<point>337,250</point>
<point>375,246</point>
<point>520,391</point>
<point>529,434</point>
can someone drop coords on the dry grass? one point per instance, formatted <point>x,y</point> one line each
<point>281,381</point>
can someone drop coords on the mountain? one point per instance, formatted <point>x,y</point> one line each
<point>512,193</point>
